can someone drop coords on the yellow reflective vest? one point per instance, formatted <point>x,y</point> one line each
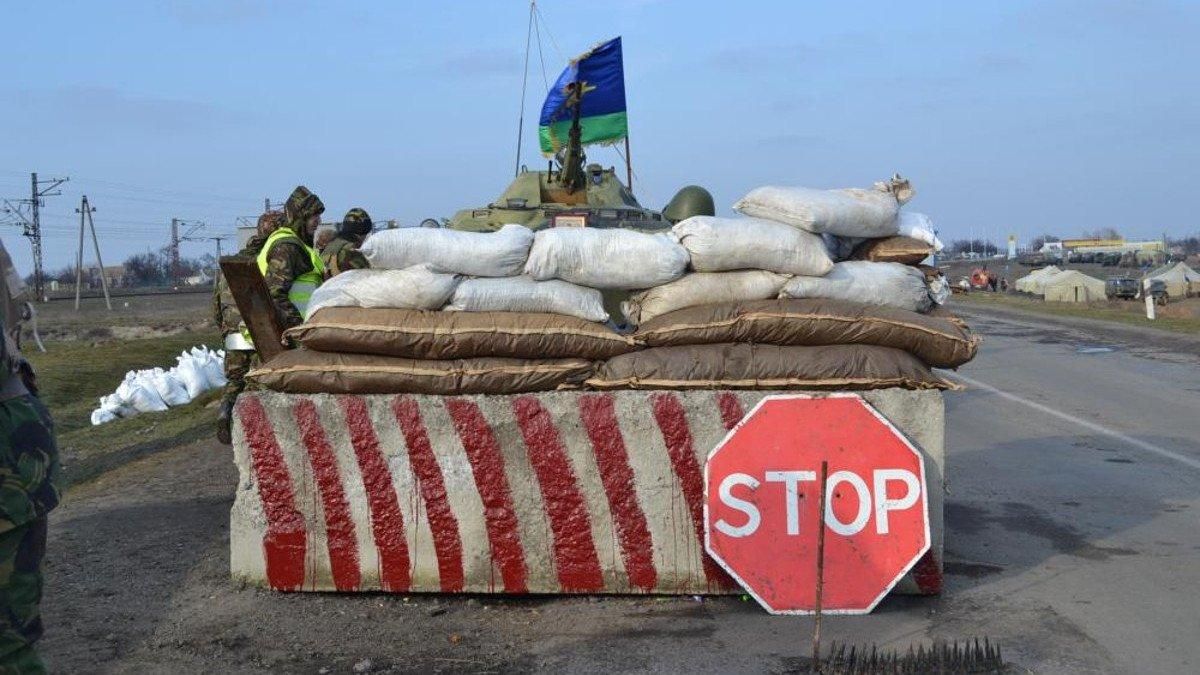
<point>303,285</point>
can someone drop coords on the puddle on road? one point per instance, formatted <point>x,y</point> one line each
<point>1094,350</point>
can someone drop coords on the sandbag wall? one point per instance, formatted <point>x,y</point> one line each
<point>811,290</point>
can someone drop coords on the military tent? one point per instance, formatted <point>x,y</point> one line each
<point>1072,286</point>
<point>1181,280</point>
<point>1032,282</point>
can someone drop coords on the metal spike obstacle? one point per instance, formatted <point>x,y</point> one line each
<point>942,658</point>
<point>945,658</point>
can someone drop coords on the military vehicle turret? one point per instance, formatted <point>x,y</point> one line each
<point>588,104</point>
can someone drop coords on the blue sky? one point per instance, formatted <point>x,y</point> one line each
<point>1028,117</point>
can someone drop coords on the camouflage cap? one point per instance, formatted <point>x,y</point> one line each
<point>302,204</point>
<point>270,221</point>
<point>357,222</point>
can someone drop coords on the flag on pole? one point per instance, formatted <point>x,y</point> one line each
<point>600,75</point>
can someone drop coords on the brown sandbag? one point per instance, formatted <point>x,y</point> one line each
<point>302,371</point>
<point>748,366</point>
<point>940,341</point>
<point>458,335</point>
<point>905,250</point>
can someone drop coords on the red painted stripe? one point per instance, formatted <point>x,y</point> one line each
<point>387,522</point>
<point>928,575</point>
<point>487,464</point>
<point>285,540</point>
<point>575,556</point>
<point>447,543</point>
<point>637,550</point>
<point>731,409</point>
<point>339,526</point>
<point>672,422</point>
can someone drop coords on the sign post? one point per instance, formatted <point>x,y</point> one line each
<point>763,504</point>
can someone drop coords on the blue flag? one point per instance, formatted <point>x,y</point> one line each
<point>600,73</point>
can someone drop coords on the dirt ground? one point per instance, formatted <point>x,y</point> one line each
<point>132,317</point>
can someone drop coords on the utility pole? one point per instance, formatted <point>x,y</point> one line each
<point>86,211</point>
<point>176,263</point>
<point>174,250</point>
<point>33,224</point>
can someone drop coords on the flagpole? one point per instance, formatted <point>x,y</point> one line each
<point>628,164</point>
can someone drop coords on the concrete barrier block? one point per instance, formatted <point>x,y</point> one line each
<point>563,492</point>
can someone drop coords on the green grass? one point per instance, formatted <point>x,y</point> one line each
<point>73,375</point>
<point>1133,316</point>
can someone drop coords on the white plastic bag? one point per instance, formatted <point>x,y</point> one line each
<point>168,386</point>
<point>138,393</point>
<point>481,254</point>
<point>413,288</point>
<point>726,244</point>
<point>523,294</point>
<point>213,367</point>
<point>872,283</point>
<point>702,288</point>
<point>849,212</point>
<point>918,226</point>
<point>191,373</point>
<point>606,258</point>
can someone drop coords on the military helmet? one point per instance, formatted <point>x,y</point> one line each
<point>692,200</point>
<point>356,223</point>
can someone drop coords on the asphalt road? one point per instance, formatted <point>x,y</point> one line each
<point>1073,538</point>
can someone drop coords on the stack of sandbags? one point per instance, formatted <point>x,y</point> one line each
<point>866,234</point>
<point>791,344</point>
<point>732,260</point>
<point>391,351</point>
<point>155,390</point>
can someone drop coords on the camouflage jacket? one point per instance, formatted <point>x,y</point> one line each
<point>225,311</point>
<point>286,261</point>
<point>340,255</point>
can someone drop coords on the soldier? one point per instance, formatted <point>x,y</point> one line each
<point>28,488</point>
<point>289,264</point>
<point>240,356</point>
<point>342,253</point>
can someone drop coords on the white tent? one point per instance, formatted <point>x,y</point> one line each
<point>1072,286</point>
<point>1181,280</point>
<point>1032,282</point>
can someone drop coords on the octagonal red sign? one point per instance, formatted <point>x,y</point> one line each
<point>761,503</point>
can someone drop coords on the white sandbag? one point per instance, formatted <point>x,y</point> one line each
<point>112,403</point>
<point>213,367</point>
<point>872,283</point>
<point>481,254</point>
<point>191,373</point>
<point>169,386</point>
<point>918,226</point>
<point>138,393</point>
<point>417,287</point>
<point>702,288</point>
<point>606,258</point>
<point>102,416</point>
<point>849,212</point>
<point>939,289</point>
<point>726,244</point>
<point>523,294</point>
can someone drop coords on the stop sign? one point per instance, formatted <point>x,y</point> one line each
<point>761,504</point>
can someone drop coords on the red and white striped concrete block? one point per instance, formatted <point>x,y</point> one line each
<point>564,492</point>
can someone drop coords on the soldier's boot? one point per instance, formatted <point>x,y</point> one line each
<point>225,421</point>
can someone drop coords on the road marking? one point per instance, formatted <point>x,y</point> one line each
<point>1149,447</point>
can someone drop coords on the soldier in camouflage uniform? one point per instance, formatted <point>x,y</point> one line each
<point>240,356</point>
<point>289,264</point>
<point>342,253</point>
<point>28,488</point>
